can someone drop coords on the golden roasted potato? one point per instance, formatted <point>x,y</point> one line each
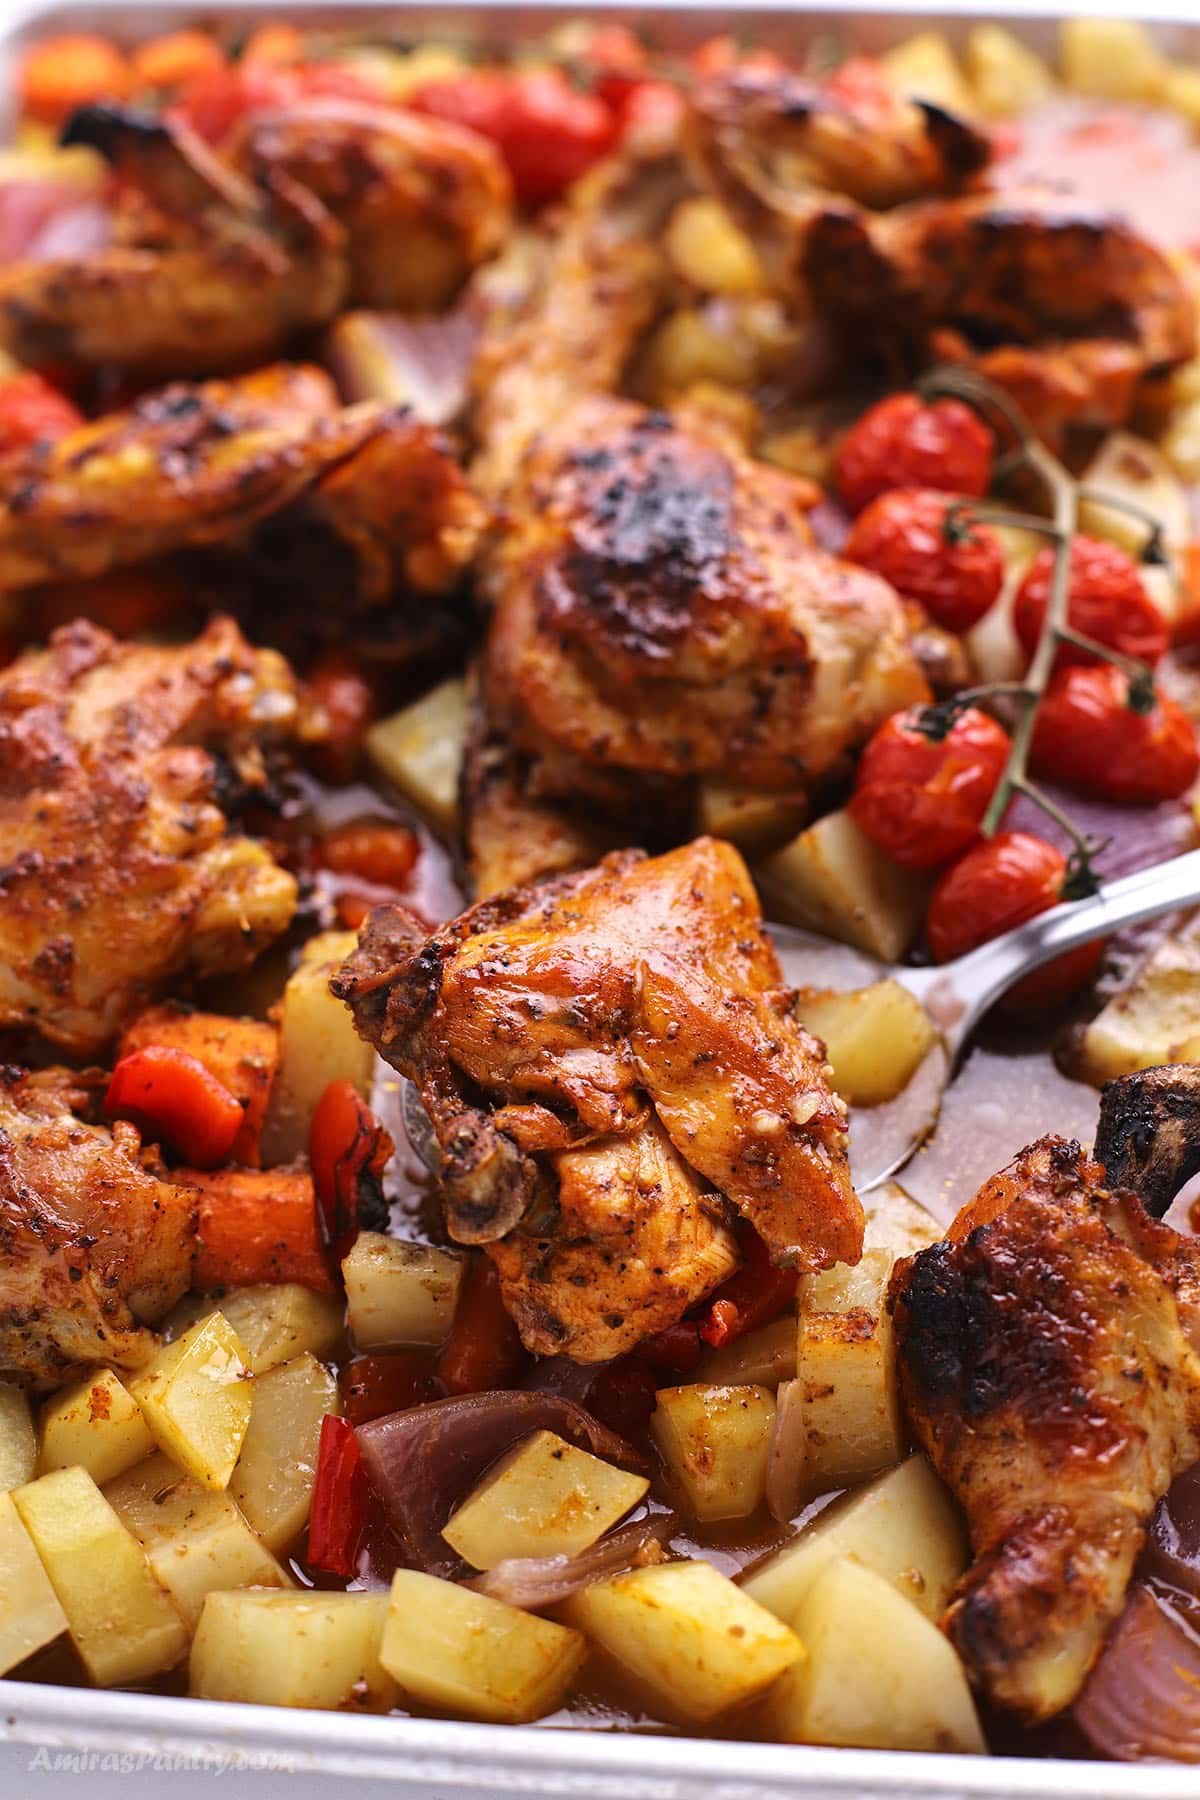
<point>1115,59</point>
<point>876,1038</point>
<point>420,751</point>
<point>545,1498</point>
<point>1156,1019</point>
<point>846,1365</point>
<point>708,249</point>
<point>120,1620</point>
<point>399,1293</point>
<point>317,1044</point>
<point>764,1357</point>
<point>97,1424</point>
<point>18,1438</point>
<point>1006,76</point>
<point>878,1675</point>
<point>31,1614</point>
<point>714,1442</point>
<point>695,1641</point>
<point>274,1321</point>
<point>449,1647</point>
<point>273,1480</point>
<point>195,1397</point>
<point>292,1649</point>
<point>833,879</point>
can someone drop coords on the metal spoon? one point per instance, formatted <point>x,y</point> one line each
<point>956,996</point>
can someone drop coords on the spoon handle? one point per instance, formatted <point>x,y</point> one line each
<point>959,993</point>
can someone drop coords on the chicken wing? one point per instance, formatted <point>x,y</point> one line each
<point>93,1247</point>
<point>1049,1365</point>
<point>612,1038</point>
<point>661,613</point>
<point>116,868</point>
<point>202,464</point>
<point>217,265</point>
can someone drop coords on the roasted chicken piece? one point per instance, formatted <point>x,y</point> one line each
<point>775,144</point>
<point>216,266</point>
<point>116,863</point>
<point>203,464</point>
<point>661,614</point>
<point>1048,1360</point>
<point>610,1066</point>
<point>93,1247</point>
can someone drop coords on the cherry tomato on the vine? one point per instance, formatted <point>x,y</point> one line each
<point>1107,601</point>
<point>903,442</point>
<point>921,800</point>
<point>955,570</point>
<point>1089,736</point>
<point>997,885</point>
<point>548,132</point>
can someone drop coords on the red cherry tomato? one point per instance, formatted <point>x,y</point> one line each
<point>215,102</point>
<point>548,132</point>
<point>921,801</point>
<point>1106,600</point>
<point>32,411</point>
<point>956,574</point>
<point>348,1150</point>
<point>1089,736</point>
<point>1000,884</point>
<point>902,442</point>
<point>173,1097</point>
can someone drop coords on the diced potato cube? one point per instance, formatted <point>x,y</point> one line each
<point>832,878</point>
<point>1115,59</point>
<point>1153,1019</point>
<point>801,451</point>
<point>1007,77</point>
<point>276,1323</point>
<point>690,347</point>
<point>697,1642</point>
<point>292,1649</point>
<point>399,1293</point>
<point>18,1439</point>
<point>544,1498</point>
<point>420,750</point>
<point>715,1441</point>
<point>846,1361</point>
<point>924,68</point>
<point>31,1615</point>
<point>197,1542</point>
<point>878,1674</point>
<point>904,1526</point>
<point>752,819</point>
<point>273,1481</point>
<point>121,1621</point>
<point>1181,91</point>
<point>898,1224</point>
<point>765,1357</point>
<point>469,1654</point>
<point>317,1044</point>
<point>875,1037</point>
<point>195,1396</point>
<point>1133,469</point>
<point>97,1424</point>
<point>708,249</point>
<point>1180,442</point>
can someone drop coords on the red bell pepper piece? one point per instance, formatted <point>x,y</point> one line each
<point>174,1098</point>
<point>348,1150</point>
<point>678,1348</point>
<point>373,1386</point>
<point>483,1350</point>
<point>341,1499</point>
<point>755,1294</point>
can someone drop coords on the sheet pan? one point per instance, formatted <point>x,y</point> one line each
<point>56,1741</point>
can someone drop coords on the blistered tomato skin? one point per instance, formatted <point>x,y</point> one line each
<point>1107,601</point>
<point>1088,736</point>
<point>548,132</point>
<point>996,886</point>
<point>955,573</point>
<point>904,443</point>
<point>923,802</point>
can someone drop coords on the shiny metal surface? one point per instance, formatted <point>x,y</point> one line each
<point>56,1741</point>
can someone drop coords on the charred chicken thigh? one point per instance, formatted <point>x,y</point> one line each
<point>93,1246</point>
<point>611,1070</point>
<point>1049,1364</point>
<point>117,867</point>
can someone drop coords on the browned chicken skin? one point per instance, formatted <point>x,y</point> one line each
<point>116,868</point>
<point>609,1064</point>
<point>202,464</point>
<point>661,614</point>
<point>93,1247</point>
<point>1048,1360</point>
<point>216,265</point>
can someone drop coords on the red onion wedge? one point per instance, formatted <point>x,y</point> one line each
<point>423,1461</point>
<point>532,1582</point>
<point>1171,1559</point>
<point>1142,1703</point>
<point>786,1489</point>
<point>424,363</point>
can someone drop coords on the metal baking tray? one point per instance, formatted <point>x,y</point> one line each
<point>60,1740</point>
